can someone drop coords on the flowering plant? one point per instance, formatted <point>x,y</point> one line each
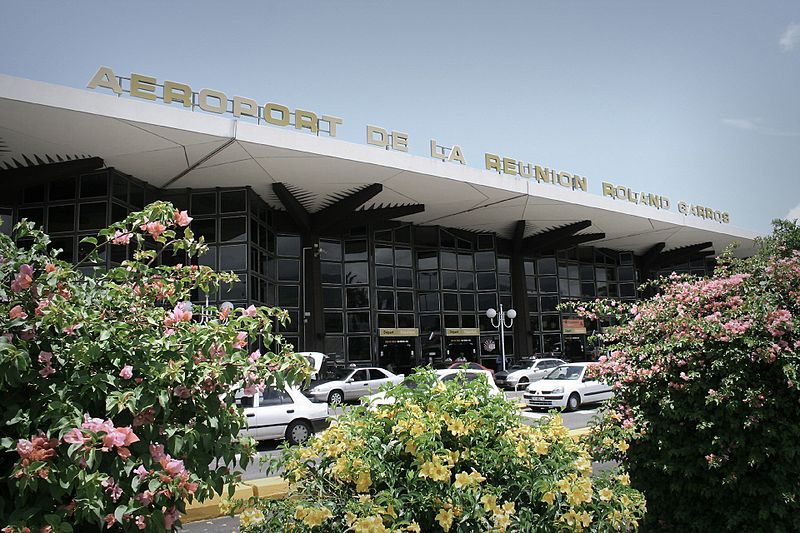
<point>444,456</point>
<point>706,378</point>
<point>117,405</point>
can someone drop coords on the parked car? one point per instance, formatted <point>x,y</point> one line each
<point>472,365</point>
<point>351,384</point>
<point>316,360</point>
<point>282,414</point>
<point>446,374</point>
<point>566,386</point>
<point>525,371</point>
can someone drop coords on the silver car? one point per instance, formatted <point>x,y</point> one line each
<point>351,384</point>
<point>526,373</point>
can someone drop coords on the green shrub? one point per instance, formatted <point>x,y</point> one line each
<point>706,378</point>
<point>444,457</point>
<point>115,402</point>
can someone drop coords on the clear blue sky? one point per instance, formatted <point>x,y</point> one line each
<point>695,100</point>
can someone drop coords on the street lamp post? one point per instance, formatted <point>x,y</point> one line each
<point>501,324</point>
<point>206,313</point>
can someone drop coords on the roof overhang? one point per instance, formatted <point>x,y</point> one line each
<point>175,148</point>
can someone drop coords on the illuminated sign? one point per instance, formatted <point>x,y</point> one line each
<point>398,332</point>
<point>462,332</point>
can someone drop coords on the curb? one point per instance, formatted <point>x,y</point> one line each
<point>273,488</point>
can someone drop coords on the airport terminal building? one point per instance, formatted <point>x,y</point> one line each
<point>380,256</point>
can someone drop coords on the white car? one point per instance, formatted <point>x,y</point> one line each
<point>446,374</point>
<point>567,386</point>
<point>526,372</point>
<point>315,359</point>
<point>282,414</point>
<point>351,384</point>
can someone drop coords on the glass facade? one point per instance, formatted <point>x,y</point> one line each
<point>433,281</point>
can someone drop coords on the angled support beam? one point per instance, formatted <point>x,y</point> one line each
<point>378,214</point>
<point>345,206</point>
<point>549,239</point>
<point>293,206</point>
<point>518,236</point>
<point>16,178</point>
<point>575,240</point>
<point>680,254</point>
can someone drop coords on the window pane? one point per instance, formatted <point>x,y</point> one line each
<point>484,261</point>
<point>288,295</point>
<point>405,301</point>
<point>386,300</point>
<point>465,262</point>
<point>204,203</point>
<point>428,301</point>
<point>334,347</point>
<point>334,323</point>
<point>61,218</point>
<point>549,303</point>
<point>467,302</point>
<point>331,272</point>
<point>330,251</point>
<point>93,216</point>
<point>332,297</point>
<point>206,228</point>
<point>551,322</point>
<point>233,291</point>
<point>288,245</point>
<point>357,297</point>
<point>534,323</point>
<point>94,185</point>
<point>487,300</point>
<point>451,321</point>
<point>233,201</point>
<point>504,265</point>
<point>404,277</point>
<point>358,322</point>
<point>428,280</point>
<point>547,266</point>
<point>384,255</point>
<point>405,321</point>
<point>63,189</point>
<point>548,284</point>
<point>449,280</point>
<point>504,282</point>
<point>486,281</point>
<point>233,229</point>
<point>468,321</point>
<point>235,258</point>
<point>355,250</point>
<point>427,261</point>
<point>358,349</point>
<point>429,323</point>
<point>356,273</point>
<point>450,302</point>
<point>384,276</point>
<point>449,260</point>
<point>402,257</point>
<point>386,320</point>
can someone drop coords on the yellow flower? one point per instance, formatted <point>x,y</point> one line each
<point>549,497</point>
<point>390,511</point>
<point>462,479</point>
<point>349,518</point>
<point>563,485</point>
<point>489,502</point>
<point>364,481</point>
<point>413,526</point>
<point>445,519</point>
<point>364,498</point>
<point>508,508</point>
<point>625,479</point>
<point>541,447</point>
<point>411,447</point>
<point>608,441</point>
<point>313,517</point>
<point>502,521</point>
<point>439,387</point>
<point>251,516</point>
<point>584,518</point>
<point>606,494</point>
<point>623,446</point>
<point>435,470</point>
<point>370,524</point>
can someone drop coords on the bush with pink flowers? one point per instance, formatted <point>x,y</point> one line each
<point>117,405</point>
<point>706,413</point>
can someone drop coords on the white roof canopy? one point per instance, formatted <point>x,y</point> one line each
<point>170,147</point>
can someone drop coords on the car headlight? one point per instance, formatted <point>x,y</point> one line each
<point>558,390</point>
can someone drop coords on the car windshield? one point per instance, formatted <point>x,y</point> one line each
<point>522,365</point>
<point>310,361</point>
<point>565,372</point>
<point>342,373</point>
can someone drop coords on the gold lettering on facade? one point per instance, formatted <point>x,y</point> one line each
<point>177,92</point>
<point>492,162</point>
<point>206,97</point>
<point>456,155</point>
<point>377,136</point>
<point>143,86</point>
<point>400,141</point>
<point>104,77</point>
<point>244,106</point>
<point>282,110</point>
<point>332,123</point>
<point>436,152</point>
<point>306,119</point>
<point>619,192</point>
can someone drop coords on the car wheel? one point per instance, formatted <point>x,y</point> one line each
<point>336,396</point>
<point>573,402</point>
<point>522,381</point>
<point>298,432</point>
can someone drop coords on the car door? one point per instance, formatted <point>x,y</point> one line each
<point>358,385</point>
<point>274,412</point>
<point>541,369</point>
<point>248,403</point>
<point>377,378</point>
<point>592,389</point>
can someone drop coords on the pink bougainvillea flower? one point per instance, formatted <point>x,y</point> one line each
<point>173,466</point>
<point>24,279</point>
<point>250,311</point>
<point>170,517</point>
<point>47,371</point>
<point>178,314</point>
<point>241,340</point>
<point>155,229</point>
<point>123,452</point>
<point>182,218</point>
<point>110,520</point>
<point>126,372</point>
<point>70,330</point>
<point>121,237</point>
<point>157,452</point>
<point>112,488</point>
<point>140,522</point>
<point>50,267</point>
<point>141,471</point>
<point>74,436</point>
<point>45,357</point>
<point>148,416</point>
<point>41,305</point>
<point>24,448</point>
<point>253,357</point>
<point>144,498</point>
<point>17,312</point>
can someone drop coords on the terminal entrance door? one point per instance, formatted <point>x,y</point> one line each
<point>462,348</point>
<point>397,355</point>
